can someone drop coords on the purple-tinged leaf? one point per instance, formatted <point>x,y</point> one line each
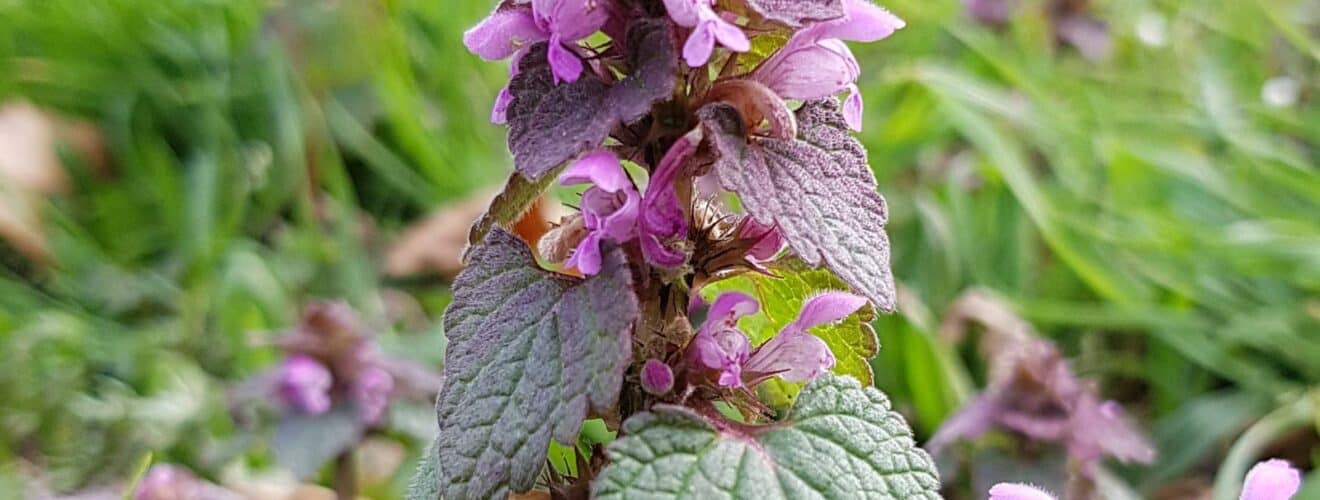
<point>529,352</point>
<point>798,12</point>
<point>551,124</point>
<point>817,188</point>
<point>840,441</point>
<point>303,443</point>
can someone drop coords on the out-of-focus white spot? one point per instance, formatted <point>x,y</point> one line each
<point>1153,29</point>
<point>1280,92</point>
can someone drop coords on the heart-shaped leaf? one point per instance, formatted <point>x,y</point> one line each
<point>840,441</point>
<point>550,123</point>
<point>817,188</point>
<point>529,351</point>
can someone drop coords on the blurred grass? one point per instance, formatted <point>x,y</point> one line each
<point>1148,212</point>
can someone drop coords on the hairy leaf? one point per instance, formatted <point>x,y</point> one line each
<point>852,341</point>
<point>798,12</point>
<point>550,124</point>
<point>304,443</point>
<point>507,207</point>
<point>529,351</point>
<point>818,188</point>
<point>840,441</point>
<point>425,483</point>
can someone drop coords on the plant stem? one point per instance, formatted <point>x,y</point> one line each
<point>345,476</point>
<point>1228,480</point>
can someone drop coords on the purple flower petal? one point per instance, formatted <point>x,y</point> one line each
<point>657,377</point>
<point>730,35</point>
<point>586,257</point>
<point>1272,479</point>
<point>1015,491</point>
<point>853,108</point>
<point>769,241</point>
<point>699,45</point>
<point>661,219</point>
<point>564,64</point>
<point>609,208</point>
<point>304,384</point>
<point>719,345</point>
<point>794,355</point>
<point>572,20</point>
<point>600,168</point>
<point>685,12</point>
<point>371,391</point>
<point>503,33</point>
<point>730,306</point>
<point>501,107</point>
<point>810,71</point>
<point>864,22</point>
<point>829,307</point>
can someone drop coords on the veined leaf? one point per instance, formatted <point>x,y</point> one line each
<point>840,441</point>
<point>817,188</point>
<point>529,352</point>
<point>551,123</point>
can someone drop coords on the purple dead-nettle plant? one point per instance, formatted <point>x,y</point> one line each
<point>662,113</point>
<point>332,387</point>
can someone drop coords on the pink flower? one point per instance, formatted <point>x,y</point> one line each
<point>563,22</point>
<point>371,391</point>
<point>167,482</point>
<point>1272,479</point>
<point>609,207</point>
<point>304,384</point>
<point>657,377</point>
<point>815,63</point>
<point>769,240</point>
<point>795,355</point>
<point>708,27</point>
<point>719,346</point>
<point>661,219</point>
<point>1015,491</point>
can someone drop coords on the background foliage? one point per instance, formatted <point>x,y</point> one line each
<point>1151,213</point>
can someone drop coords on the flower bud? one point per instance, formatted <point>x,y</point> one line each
<point>657,377</point>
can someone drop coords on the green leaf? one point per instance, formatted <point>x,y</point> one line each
<point>530,351</point>
<point>841,440</point>
<point>425,483</point>
<point>852,341</point>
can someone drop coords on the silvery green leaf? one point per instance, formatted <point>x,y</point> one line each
<point>840,441</point>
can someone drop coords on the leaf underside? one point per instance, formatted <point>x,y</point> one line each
<point>852,340</point>
<point>817,188</point>
<point>529,351</point>
<point>798,12</point>
<point>550,123</point>
<point>840,441</point>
